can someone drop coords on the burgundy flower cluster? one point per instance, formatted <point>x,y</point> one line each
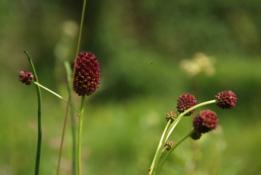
<point>206,121</point>
<point>26,77</point>
<point>87,74</point>
<point>186,101</point>
<point>226,99</point>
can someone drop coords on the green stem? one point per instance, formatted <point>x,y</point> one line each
<point>82,103</point>
<point>39,139</point>
<point>62,139</point>
<point>73,123</point>
<point>80,36</point>
<point>157,154</point>
<point>52,92</point>
<point>80,135</point>
<point>70,102</point>
<point>172,149</point>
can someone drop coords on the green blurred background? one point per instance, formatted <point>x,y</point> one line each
<point>141,47</point>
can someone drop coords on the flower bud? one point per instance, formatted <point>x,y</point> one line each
<point>169,145</point>
<point>171,115</point>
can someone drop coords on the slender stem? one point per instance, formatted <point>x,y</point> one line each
<point>172,149</point>
<point>73,123</point>
<point>39,139</point>
<point>80,135</point>
<point>157,154</point>
<point>52,92</point>
<point>62,139</point>
<point>80,36</point>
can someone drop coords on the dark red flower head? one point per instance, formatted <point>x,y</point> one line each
<point>26,77</point>
<point>87,74</point>
<point>226,99</point>
<point>185,102</point>
<point>206,121</point>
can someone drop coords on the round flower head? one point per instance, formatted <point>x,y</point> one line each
<point>171,115</point>
<point>226,99</point>
<point>185,102</point>
<point>206,121</point>
<point>87,74</point>
<point>26,77</point>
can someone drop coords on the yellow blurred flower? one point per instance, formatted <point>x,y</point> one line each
<point>200,63</point>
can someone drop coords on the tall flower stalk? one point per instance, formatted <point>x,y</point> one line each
<point>85,82</point>
<point>70,100</point>
<point>39,117</point>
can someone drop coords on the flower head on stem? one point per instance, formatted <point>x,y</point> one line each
<point>206,121</point>
<point>26,77</point>
<point>226,99</point>
<point>171,115</point>
<point>87,74</point>
<point>186,101</point>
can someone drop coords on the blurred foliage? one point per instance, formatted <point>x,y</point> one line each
<point>139,45</point>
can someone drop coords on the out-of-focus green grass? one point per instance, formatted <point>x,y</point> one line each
<point>121,135</point>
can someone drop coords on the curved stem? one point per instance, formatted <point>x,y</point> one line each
<point>80,135</point>
<point>174,124</point>
<point>39,139</point>
<point>153,166</point>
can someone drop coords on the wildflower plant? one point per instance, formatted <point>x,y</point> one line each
<point>204,122</point>
<point>83,76</point>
